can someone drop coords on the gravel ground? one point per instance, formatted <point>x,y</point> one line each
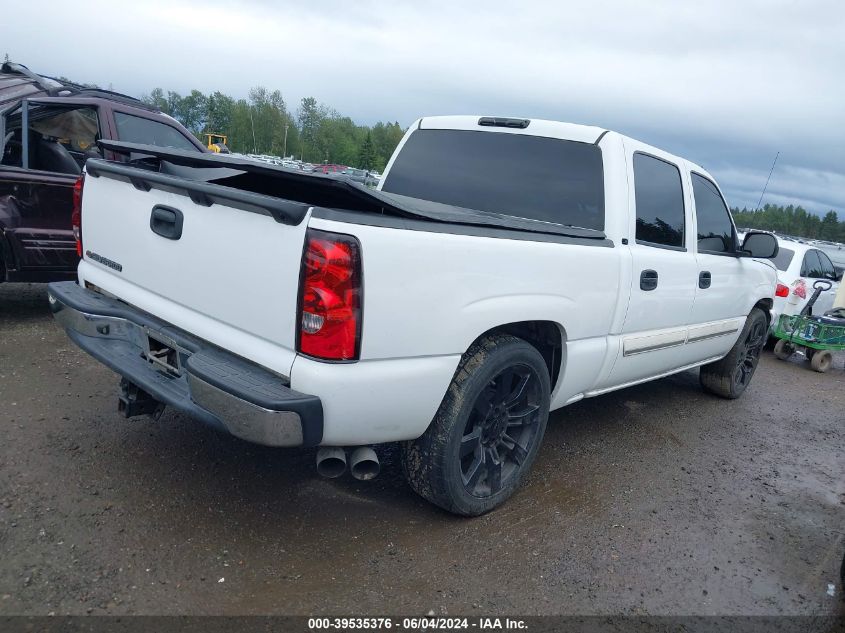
<point>657,499</point>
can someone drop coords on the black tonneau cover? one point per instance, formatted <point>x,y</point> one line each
<point>298,188</point>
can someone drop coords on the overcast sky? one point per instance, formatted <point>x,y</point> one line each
<point>726,84</point>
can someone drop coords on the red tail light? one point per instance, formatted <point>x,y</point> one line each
<point>330,296</point>
<point>76,214</point>
<point>782,291</point>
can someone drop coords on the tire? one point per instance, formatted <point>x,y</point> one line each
<point>784,349</point>
<point>487,431</point>
<point>822,360</point>
<point>730,376</point>
<point>809,352</point>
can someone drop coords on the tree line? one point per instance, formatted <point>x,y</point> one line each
<point>263,124</point>
<point>792,220</point>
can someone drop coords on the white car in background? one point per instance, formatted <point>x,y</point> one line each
<point>797,263</point>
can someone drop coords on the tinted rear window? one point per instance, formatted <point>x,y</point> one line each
<point>513,174</point>
<point>784,258</point>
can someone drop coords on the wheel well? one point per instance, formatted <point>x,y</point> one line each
<point>766,306</point>
<point>546,336</point>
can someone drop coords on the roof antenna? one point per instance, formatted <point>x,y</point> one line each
<point>767,182</point>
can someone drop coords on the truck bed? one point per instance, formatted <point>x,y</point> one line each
<point>295,192</point>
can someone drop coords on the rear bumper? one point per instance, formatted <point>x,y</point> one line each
<point>200,379</point>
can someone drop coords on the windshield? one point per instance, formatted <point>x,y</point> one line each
<point>514,174</point>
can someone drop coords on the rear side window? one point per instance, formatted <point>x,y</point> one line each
<point>811,267</point>
<point>659,198</point>
<point>513,174</point>
<point>135,129</point>
<point>784,258</point>
<point>828,271</point>
<point>715,229</point>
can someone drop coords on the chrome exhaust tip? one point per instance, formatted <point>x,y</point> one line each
<point>331,461</point>
<point>364,464</point>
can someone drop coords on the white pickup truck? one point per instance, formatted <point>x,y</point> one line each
<point>504,268</point>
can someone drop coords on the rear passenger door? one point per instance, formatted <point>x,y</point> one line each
<point>721,298</point>
<point>664,268</point>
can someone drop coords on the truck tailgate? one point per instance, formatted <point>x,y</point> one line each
<point>234,265</point>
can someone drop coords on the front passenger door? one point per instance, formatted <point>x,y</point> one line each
<point>721,297</point>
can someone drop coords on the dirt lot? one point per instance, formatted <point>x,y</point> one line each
<point>653,500</point>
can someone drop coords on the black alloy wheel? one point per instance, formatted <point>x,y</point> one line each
<point>731,375</point>
<point>749,356</point>
<point>487,431</point>
<point>500,431</point>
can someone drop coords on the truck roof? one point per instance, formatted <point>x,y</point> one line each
<point>531,127</point>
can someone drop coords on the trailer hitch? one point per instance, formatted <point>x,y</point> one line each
<point>135,401</point>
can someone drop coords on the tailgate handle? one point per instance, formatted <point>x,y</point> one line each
<point>167,222</point>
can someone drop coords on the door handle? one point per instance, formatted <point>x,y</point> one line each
<point>704,279</point>
<point>167,222</point>
<point>648,280</point>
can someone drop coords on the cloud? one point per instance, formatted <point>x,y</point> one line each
<point>819,190</point>
<point>724,83</point>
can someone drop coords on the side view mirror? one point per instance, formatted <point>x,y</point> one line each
<point>760,244</point>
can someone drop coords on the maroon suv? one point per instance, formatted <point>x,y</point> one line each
<point>39,167</point>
